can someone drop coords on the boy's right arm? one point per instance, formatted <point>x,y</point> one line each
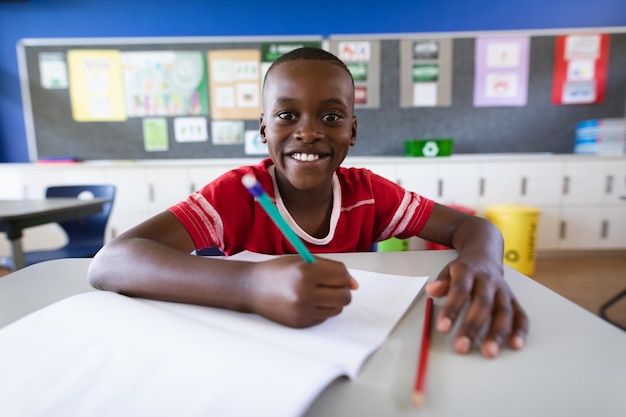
<point>153,260</point>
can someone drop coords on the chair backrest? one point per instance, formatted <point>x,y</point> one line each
<point>88,229</point>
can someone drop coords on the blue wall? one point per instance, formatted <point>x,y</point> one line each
<point>123,18</point>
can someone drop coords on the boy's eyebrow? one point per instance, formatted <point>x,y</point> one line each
<point>289,100</point>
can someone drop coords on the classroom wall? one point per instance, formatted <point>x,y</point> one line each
<point>120,18</point>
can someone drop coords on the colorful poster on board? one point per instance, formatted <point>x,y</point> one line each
<point>253,145</point>
<point>580,69</point>
<point>96,92</point>
<point>155,135</point>
<point>235,84</point>
<point>53,70</point>
<point>357,55</point>
<point>270,52</point>
<point>425,72</point>
<point>362,57</point>
<point>191,129</point>
<point>165,83</point>
<point>501,71</point>
<point>227,132</point>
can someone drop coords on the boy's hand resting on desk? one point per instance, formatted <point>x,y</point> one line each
<point>491,303</point>
<point>299,294</point>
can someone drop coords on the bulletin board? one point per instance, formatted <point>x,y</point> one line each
<point>147,98</point>
<point>386,118</point>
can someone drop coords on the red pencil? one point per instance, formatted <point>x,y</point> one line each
<point>422,364</point>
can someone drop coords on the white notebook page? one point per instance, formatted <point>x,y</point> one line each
<point>104,354</point>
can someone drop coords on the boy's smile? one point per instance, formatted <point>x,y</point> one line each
<point>308,122</point>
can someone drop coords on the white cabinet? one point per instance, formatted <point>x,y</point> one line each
<point>420,178</point>
<point>582,198</point>
<point>143,191</point>
<point>388,171</point>
<point>132,195</point>
<point>11,188</point>
<point>594,213</point>
<point>590,182</point>
<point>531,182</point>
<point>615,191</point>
<point>593,227</point>
<point>166,187</point>
<point>446,182</point>
<point>581,227</point>
<point>534,182</point>
<point>548,229</point>
<point>614,207</point>
<point>200,175</point>
<point>613,229</point>
<point>11,184</point>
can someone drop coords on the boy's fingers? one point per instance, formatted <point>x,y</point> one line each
<point>437,288</point>
<point>490,303</point>
<point>478,314</point>
<point>517,339</point>
<point>509,324</point>
<point>459,288</point>
<point>329,274</point>
<point>333,297</point>
<point>500,327</point>
<point>354,284</point>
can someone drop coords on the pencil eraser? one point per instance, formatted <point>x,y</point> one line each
<point>248,180</point>
<point>253,186</point>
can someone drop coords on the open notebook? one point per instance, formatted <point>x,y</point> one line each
<point>104,354</point>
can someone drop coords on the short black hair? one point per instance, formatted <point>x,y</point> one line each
<point>308,53</point>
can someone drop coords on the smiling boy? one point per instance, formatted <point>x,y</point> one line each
<point>308,123</point>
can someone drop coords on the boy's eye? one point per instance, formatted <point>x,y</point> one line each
<point>331,117</point>
<point>285,115</point>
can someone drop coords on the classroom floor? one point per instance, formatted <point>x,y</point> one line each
<point>587,279</point>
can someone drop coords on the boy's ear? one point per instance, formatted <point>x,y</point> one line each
<point>354,125</point>
<point>262,129</point>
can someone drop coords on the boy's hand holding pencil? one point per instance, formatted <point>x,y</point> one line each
<point>299,294</point>
<point>293,293</point>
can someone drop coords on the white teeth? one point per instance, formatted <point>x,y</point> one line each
<point>305,156</point>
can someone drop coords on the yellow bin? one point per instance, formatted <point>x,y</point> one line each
<point>518,225</point>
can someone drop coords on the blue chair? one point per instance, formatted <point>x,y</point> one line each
<point>212,251</point>
<point>85,236</point>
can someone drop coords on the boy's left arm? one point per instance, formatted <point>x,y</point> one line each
<point>474,278</point>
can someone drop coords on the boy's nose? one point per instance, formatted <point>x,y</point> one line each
<point>309,131</point>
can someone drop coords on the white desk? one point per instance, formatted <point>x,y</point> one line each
<point>573,364</point>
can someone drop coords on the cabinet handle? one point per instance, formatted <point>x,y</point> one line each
<point>151,193</point>
<point>192,187</point>
<point>604,233</point>
<point>566,185</point>
<point>563,229</point>
<point>524,181</point>
<point>481,187</point>
<point>608,189</point>
<point>439,187</point>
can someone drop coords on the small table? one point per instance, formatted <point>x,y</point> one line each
<point>17,215</point>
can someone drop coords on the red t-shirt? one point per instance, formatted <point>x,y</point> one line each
<point>367,208</point>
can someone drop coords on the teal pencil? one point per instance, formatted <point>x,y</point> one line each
<point>255,188</point>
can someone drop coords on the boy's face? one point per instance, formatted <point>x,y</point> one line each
<point>308,121</point>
